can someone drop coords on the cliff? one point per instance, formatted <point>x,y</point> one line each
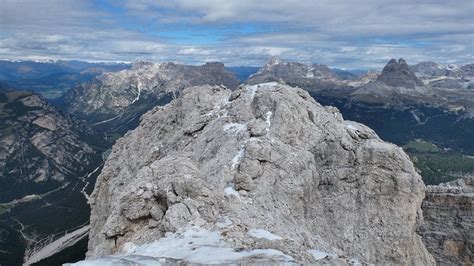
<point>261,174</point>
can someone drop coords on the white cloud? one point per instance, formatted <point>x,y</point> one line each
<point>195,51</point>
<point>340,33</point>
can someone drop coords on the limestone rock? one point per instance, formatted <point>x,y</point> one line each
<point>312,77</point>
<point>398,74</point>
<point>266,172</point>
<point>448,228</point>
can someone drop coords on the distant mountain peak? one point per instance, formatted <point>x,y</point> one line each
<point>137,64</point>
<point>274,60</point>
<point>397,74</point>
<point>315,76</point>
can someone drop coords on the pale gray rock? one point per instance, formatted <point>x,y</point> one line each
<point>311,77</point>
<point>265,170</point>
<point>445,76</point>
<point>448,228</point>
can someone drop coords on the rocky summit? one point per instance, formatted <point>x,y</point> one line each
<point>260,174</point>
<point>398,74</point>
<point>448,229</point>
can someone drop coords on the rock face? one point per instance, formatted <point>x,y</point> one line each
<point>312,77</point>
<point>445,76</point>
<point>399,87</point>
<point>398,74</point>
<point>118,97</point>
<point>448,229</point>
<point>397,84</point>
<point>39,146</point>
<point>267,173</point>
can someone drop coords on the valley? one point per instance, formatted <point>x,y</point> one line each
<point>29,226</point>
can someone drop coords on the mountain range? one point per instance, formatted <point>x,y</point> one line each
<point>54,153</point>
<point>47,163</point>
<point>115,101</point>
<point>52,79</point>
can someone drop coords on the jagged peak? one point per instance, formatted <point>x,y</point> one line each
<point>402,61</point>
<point>273,61</point>
<point>139,63</point>
<point>398,74</point>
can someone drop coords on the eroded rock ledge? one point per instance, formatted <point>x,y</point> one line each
<point>448,229</point>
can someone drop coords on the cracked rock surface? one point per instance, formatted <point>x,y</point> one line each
<point>266,168</point>
<point>448,228</point>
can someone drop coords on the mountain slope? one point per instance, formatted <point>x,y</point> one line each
<point>399,87</point>
<point>48,165</point>
<point>40,147</point>
<point>445,76</point>
<point>115,99</point>
<point>310,77</point>
<point>401,110</point>
<point>261,174</point>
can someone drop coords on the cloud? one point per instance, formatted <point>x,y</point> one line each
<point>340,33</point>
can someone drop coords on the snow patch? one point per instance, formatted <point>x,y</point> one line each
<point>252,90</point>
<point>195,245</point>
<point>231,191</point>
<point>268,120</point>
<point>309,73</point>
<point>261,233</point>
<point>128,248</point>
<point>352,126</point>
<point>224,222</point>
<point>319,255</point>
<point>237,158</point>
<point>139,85</point>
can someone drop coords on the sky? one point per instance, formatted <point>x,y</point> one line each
<point>349,34</point>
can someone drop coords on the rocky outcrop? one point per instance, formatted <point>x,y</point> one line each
<point>397,84</point>
<point>118,97</point>
<point>445,76</point>
<point>39,146</point>
<point>314,77</point>
<point>263,173</point>
<point>397,74</point>
<point>448,228</point>
<point>399,87</point>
